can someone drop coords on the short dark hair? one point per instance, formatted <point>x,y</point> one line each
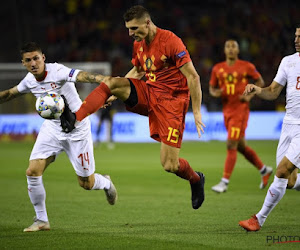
<point>30,47</point>
<point>297,26</point>
<point>135,12</point>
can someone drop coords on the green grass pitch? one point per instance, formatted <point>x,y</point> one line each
<point>154,208</point>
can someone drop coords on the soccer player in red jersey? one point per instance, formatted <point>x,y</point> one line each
<point>228,81</point>
<point>171,80</point>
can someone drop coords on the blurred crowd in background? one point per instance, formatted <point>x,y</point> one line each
<point>94,30</point>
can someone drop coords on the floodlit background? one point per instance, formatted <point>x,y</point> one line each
<point>94,31</point>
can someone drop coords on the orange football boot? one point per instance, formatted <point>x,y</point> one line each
<point>251,224</point>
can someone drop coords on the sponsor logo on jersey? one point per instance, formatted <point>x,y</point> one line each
<point>181,54</point>
<point>71,72</point>
<point>291,65</point>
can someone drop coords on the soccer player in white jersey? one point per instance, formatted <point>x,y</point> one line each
<point>78,145</point>
<point>287,156</point>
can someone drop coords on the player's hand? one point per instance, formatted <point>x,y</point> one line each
<point>251,89</point>
<point>216,92</point>
<point>199,124</point>
<point>246,98</point>
<point>109,101</point>
<point>67,118</point>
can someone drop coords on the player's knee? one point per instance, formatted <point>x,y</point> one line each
<point>111,82</point>
<point>85,185</point>
<point>231,145</point>
<point>282,172</point>
<point>85,182</point>
<point>170,166</point>
<point>29,172</point>
<point>32,172</point>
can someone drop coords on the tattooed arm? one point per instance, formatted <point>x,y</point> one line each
<point>7,95</point>
<point>84,77</point>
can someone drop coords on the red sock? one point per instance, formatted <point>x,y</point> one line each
<point>186,172</point>
<point>251,156</point>
<point>229,163</point>
<point>94,101</point>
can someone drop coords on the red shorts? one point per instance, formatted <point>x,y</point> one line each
<point>236,125</point>
<point>166,113</point>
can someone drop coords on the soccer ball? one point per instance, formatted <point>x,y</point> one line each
<point>50,105</point>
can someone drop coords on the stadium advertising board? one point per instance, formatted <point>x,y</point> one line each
<point>129,127</point>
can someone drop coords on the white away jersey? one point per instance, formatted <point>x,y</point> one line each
<point>59,79</point>
<point>289,74</point>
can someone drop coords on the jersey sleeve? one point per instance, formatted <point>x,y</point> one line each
<point>213,78</point>
<point>135,60</point>
<point>281,76</point>
<point>23,86</point>
<point>66,74</point>
<point>177,51</point>
<point>252,71</point>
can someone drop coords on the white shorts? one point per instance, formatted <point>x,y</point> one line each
<point>51,141</point>
<point>289,144</point>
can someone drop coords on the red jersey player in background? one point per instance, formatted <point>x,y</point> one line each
<point>228,81</point>
<point>171,79</point>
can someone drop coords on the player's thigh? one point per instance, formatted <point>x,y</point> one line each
<point>232,144</point>
<point>86,182</point>
<point>137,101</point>
<point>285,168</point>
<point>38,166</point>
<point>47,144</point>
<point>284,142</point>
<point>167,120</point>
<point>292,135</point>
<point>241,145</point>
<point>119,87</point>
<point>169,157</point>
<point>292,178</point>
<point>235,129</point>
<point>44,151</point>
<point>81,156</point>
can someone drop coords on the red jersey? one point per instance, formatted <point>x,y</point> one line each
<point>161,60</point>
<point>233,80</point>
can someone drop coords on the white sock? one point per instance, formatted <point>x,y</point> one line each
<point>101,182</point>
<point>275,193</point>
<point>37,195</point>
<point>263,170</point>
<point>297,183</point>
<point>226,181</point>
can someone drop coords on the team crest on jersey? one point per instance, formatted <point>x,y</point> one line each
<point>148,63</point>
<point>230,78</point>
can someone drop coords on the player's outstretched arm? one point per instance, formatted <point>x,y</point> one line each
<point>9,94</point>
<point>247,98</point>
<point>194,85</point>
<point>260,82</point>
<point>268,93</point>
<point>87,77</point>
